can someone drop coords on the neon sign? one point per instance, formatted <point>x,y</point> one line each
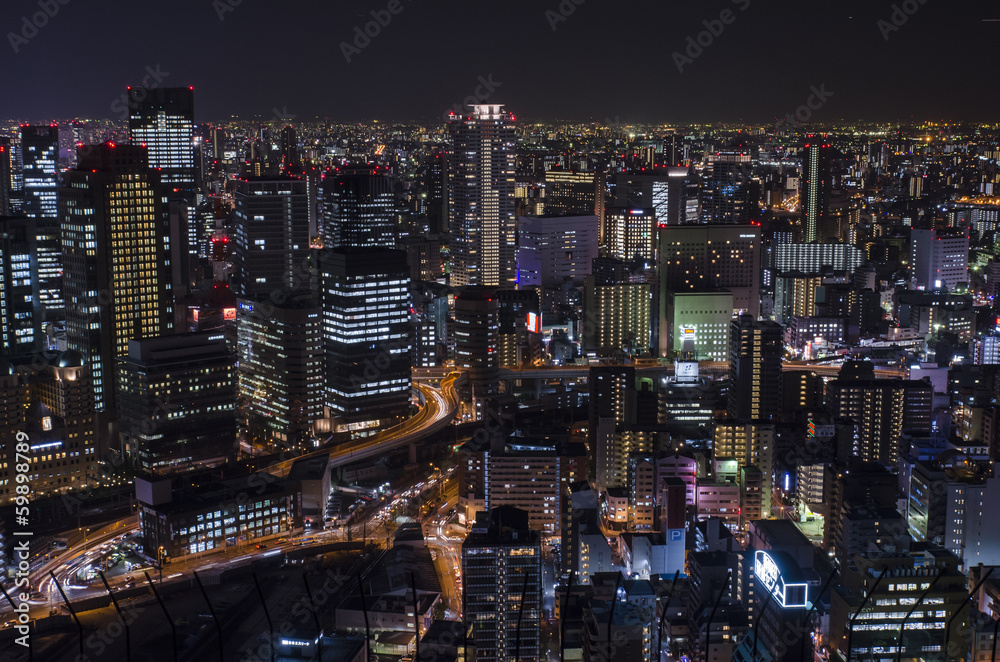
<point>789,596</point>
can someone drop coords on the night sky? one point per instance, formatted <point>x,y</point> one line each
<point>606,60</point>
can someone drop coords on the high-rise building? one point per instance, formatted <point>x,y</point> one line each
<point>630,233</point>
<point>515,309</point>
<point>754,369</point>
<point>939,258</point>
<point>813,259</point>
<point>162,119</point>
<point>272,237</point>
<point>482,220</point>
<point>20,312</point>
<point>39,168</point>
<point>697,323</point>
<point>697,258</point>
<point>477,343</point>
<point>289,147</point>
<point>750,444</point>
<point>502,590</point>
<point>365,297</point>
<point>728,192</point>
<point>569,193</point>
<point>359,208</point>
<point>555,250</point>
<point>116,254</point>
<point>616,318</point>
<point>280,351</point>
<point>177,403</point>
<point>612,402</point>
<point>817,183</point>
<point>50,407</point>
<point>882,409</point>
<point>666,191</point>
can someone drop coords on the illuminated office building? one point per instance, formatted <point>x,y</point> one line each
<point>554,250</point>
<point>365,298</point>
<point>750,444</point>
<point>116,254</point>
<point>630,234</point>
<point>39,169</point>
<point>817,182</point>
<point>502,588</point>
<point>812,259</point>
<point>280,352</point>
<point>569,193</point>
<point>20,314</point>
<point>696,258</point>
<point>666,191</point>
<point>177,402</point>
<point>939,258</point>
<point>359,208</point>
<point>162,119</point>
<point>616,318</point>
<point>482,220</point>
<point>697,323</point>
<point>272,237</point>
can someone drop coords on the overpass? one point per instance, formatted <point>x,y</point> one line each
<point>440,407</point>
<point>713,368</point>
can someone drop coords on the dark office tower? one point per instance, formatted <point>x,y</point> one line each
<point>515,309</point>
<point>116,255</point>
<point>728,192</point>
<point>501,607</point>
<point>280,352</point>
<point>754,369</point>
<point>20,313</point>
<point>435,186</point>
<point>177,402</point>
<point>40,165</point>
<point>289,148</point>
<point>6,178</point>
<point>162,119</point>
<point>365,296</point>
<point>664,190</point>
<point>359,209</point>
<point>272,237</point>
<point>817,182</point>
<point>482,220</point>
<point>477,343</point>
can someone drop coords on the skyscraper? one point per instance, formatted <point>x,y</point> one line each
<point>482,221</point>
<point>177,402</point>
<point>6,178</point>
<point>289,147</point>
<point>502,592</point>
<point>359,208</point>
<point>477,343</point>
<point>20,315</point>
<point>162,119</point>
<point>280,370</point>
<point>728,193</point>
<point>817,183</point>
<point>272,236</point>
<point>939,258</point>
<point>40,163</point>
<point>365,296</point>
<point>116,253</point>
<point>754,369</point>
